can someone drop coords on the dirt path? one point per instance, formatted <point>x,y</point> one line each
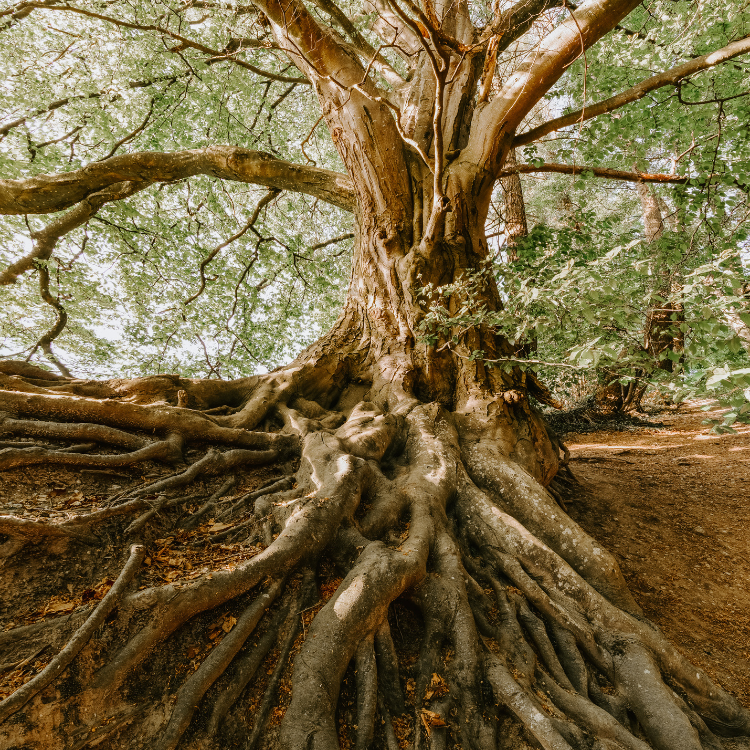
<point>674,506</point>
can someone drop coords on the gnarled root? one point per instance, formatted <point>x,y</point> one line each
<point>512,615</point>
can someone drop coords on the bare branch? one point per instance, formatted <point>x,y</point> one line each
<point>610,174</point>
<point>670,77</point>
<point>262,203</point>
<point>184,42</point>
<point>133,133</point>
<point>48,193</point>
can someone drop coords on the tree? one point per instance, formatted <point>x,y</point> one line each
<point>422,468</point>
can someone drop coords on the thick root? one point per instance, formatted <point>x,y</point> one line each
<point>61,662</point>
<point>516,617</point>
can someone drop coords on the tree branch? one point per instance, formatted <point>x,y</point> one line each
<point>514,22</point>
<point>310,47</point>
<point>46,239</point>
<point>611,174</point>
<point>184,42</point>
<point>359,43</point>
<point>492,129</point>
<point>262,203</point>
<point>48,193</point>
<point>340,238</point>
<point>670,77</point>
<point>5,129</point>
<point>45,342</point>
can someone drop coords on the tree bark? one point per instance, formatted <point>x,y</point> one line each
<point>661,331</point>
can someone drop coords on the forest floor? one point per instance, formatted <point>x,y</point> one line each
<point>669,498</point>
<point>672,502</point>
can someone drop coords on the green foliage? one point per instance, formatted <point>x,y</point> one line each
<point>585,280</point>
<point>124,278</point>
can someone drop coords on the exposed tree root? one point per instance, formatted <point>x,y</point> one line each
<point>37,531</point>
<point>72,431</point>
<point>196,686</point>
<point>165,451</point>
<point>516,614</point>
<point>61,662</point>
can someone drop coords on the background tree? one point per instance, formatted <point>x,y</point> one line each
<point>411,469</point>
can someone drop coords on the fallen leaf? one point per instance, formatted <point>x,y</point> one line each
<point>431,719</point>
<point>60,607</point>
<point>229,623</point>
<point>219,527</point>
<point>437,687</point>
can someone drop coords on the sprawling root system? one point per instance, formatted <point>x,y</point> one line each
<point>289,562</point>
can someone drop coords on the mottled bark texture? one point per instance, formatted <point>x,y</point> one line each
<point>404,578</point>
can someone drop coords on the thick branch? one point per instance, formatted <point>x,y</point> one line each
<point>668,78</point>
<point>610,174</point>
<point>46,239</point>
<point>493,126</point>
<point>48,193</point>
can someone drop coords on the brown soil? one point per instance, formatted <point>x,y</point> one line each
<point>673,505</point>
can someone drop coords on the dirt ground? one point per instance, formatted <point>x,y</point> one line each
<point>673,505</point>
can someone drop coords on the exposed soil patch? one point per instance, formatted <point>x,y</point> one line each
<point>673,505</point>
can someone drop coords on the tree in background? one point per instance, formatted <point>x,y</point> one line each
<point>413,461</point>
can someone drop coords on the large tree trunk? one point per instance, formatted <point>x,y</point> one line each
<point>403,578</point>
